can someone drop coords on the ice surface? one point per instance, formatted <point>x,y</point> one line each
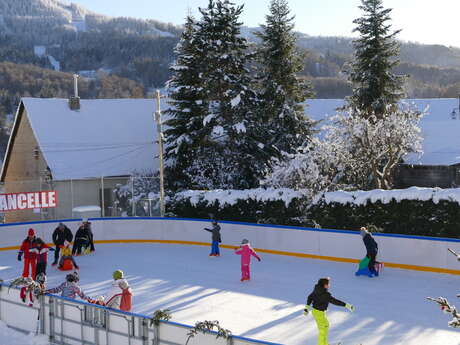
<point>390,309</point>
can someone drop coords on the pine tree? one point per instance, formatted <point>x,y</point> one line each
<point>187,108</point>
<point>215,138</point>
<point>375,86</point>
<point>282,91</point>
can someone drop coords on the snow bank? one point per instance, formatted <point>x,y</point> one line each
<point>386,196</point>
<point>12,337</point>
<point>231,197</point>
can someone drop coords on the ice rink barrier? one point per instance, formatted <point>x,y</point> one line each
<point>67,321</point>
<point>397,251</point>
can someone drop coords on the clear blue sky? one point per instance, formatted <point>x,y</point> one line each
<point>424,21</point>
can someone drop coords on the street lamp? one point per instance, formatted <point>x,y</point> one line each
<point>160,153</point>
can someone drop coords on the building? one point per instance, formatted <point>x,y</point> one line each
<point>439,164</point>
<point>82,154</point>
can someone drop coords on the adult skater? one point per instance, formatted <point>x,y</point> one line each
<point>30,258</point>
<point>216,238</point>
<point>246,252</point>
<point>371,249</point>
<point>61,234</point>
<point>70,288</point>
<point>83,239</point>
<point>120,294</point>
<point>317,303</point>
<point>41,252</point>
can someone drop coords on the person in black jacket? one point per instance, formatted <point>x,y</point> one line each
<point>82,239</point>
<point>216,239</point>
<point>371,249</point>
<point>61,234</point>
<point>317,303</point>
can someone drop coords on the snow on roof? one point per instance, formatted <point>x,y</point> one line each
<point>106,137</point>
<point>441,144</point>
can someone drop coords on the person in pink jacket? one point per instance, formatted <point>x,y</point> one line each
<point>246,251</point>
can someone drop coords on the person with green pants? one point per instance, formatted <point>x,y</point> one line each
<point>320,298</point>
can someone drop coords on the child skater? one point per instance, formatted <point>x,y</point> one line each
<point>67,262</point>
<point>246,251</point>
<point>216,239</point>
<point>321,297</point>
<point>41,252</point>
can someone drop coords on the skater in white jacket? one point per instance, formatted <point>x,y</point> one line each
<point>120,295</point>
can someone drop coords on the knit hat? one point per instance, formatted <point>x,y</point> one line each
<point>363,231</point>
<point>118,274</point>
<point>72,277</point>
<point>244,241</point>
<point>31,232</point>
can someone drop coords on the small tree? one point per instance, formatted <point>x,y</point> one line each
<point>354,152</point>
<point>375,86</point>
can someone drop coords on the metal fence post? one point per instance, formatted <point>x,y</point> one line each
<point>132,197</point>
<point>51,316</point>
<point>102,196</point>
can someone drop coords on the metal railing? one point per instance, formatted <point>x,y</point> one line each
<point>68,322</point>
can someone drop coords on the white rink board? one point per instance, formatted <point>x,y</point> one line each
<point>396,249</point>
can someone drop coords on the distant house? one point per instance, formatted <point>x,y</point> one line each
<point>439,165</point>
<point>55,148</point>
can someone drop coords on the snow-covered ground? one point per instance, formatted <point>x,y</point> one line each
<point>390,310</point>
<point>12,337</point>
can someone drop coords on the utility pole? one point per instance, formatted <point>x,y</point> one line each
<point>160,153</point>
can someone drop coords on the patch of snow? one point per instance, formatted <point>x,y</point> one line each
<point>208,119</point>
<point>240,127</point>
<point>235,101</point>
<point>9,336</point>
<point>386,196</point>
<point>55,63</point>
<point>40,51</point>
<point>218,130</point>
<point>231,197</point>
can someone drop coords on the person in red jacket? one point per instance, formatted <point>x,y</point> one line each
<point>41,251</point>
<point>30,258</point>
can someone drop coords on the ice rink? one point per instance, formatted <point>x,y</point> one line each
<point>390,309</point>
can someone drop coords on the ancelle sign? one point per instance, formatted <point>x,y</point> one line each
<point>25,201</point>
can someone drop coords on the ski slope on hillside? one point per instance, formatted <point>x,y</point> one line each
<point>390,310</point>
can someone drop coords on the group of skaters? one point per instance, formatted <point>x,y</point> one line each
<point>35,253</point>
<point>319,299</point>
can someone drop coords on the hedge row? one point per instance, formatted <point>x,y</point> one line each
<point>244,207</point>
<point>427,216</point>
<point>409,217</point>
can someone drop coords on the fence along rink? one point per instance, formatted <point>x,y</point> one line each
<point>68,321</point>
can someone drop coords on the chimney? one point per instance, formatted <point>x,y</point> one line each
<point>74,101</point>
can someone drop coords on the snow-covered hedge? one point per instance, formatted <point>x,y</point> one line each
<point>414,211</point>
<point>275,206</point>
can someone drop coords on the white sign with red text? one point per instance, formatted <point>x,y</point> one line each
<point>27,201</point>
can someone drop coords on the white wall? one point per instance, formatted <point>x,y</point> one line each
<point>404,250</point>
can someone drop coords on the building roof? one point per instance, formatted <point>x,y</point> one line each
<point>116,137</point>
<point>106,137</point>
<point>441,144</point>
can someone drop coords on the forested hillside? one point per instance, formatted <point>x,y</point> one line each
<point>125,56</point>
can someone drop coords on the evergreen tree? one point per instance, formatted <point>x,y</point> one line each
<point>282,91</point>
<point>219,132</point>
<point>187,108</point>
<point>375,86</point>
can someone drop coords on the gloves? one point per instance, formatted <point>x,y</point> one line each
<point>19,256</point>
<point>350,307</point>
<point>308,308</point>
<point>259,259</point>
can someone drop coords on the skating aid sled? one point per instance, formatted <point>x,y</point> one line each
<point>363,269</point>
